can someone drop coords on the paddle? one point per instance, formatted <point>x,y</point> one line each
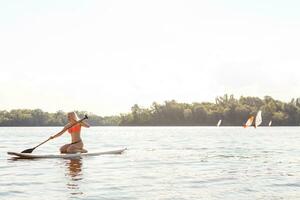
<point>31,150</point>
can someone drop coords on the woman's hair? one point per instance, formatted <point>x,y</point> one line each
<point>73,115</point>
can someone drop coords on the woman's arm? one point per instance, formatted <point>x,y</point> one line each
<point>61,132</point>
<point>85,124</point>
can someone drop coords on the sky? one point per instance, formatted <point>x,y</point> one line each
<point>106,56</point>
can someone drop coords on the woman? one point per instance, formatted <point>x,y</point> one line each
<point>76,146</point>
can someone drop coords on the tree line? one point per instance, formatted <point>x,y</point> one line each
<point>232,112</point>
<point>37,117</point>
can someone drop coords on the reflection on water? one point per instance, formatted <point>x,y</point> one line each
<point>74,172</point>
<point>74,166</point>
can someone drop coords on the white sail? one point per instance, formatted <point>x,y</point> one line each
<point>219,123</point>
<point>258,119</point>
<point>249,122</point>
<point>270,123</point>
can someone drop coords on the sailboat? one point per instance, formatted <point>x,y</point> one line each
<point>249,122</point>
<point>219,123</point>
<point>270,123</point>
<point>258,119</point>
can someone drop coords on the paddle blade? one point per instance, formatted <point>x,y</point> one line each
<point>28,150</point>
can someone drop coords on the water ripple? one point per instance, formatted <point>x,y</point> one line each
<point>161,163</point>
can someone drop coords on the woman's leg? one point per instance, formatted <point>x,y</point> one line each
<point>76,148</point>
<point>64,148</point>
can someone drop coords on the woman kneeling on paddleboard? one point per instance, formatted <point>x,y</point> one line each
<point>76,145</point>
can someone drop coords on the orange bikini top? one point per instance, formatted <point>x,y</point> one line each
<point>75,129</point>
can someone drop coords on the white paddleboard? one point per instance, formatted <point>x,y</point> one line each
<point>73,155</point>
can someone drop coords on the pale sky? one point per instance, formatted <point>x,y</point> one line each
<point>105,56</point>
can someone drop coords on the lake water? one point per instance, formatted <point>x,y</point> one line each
<point>160,163</point>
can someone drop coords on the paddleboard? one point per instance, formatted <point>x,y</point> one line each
<point>73,155</point>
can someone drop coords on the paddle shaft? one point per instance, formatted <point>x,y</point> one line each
<point>68,128</point>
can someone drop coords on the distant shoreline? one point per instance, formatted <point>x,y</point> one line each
<point>229,110</point>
